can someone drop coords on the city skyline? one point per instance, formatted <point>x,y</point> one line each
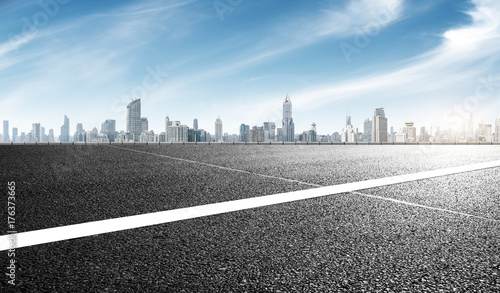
<point>189,59</point>
<point>376,130</point>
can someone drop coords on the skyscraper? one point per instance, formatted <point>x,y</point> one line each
<point>379,132</point>
<point>367,130</point>
<point>108,128</point>
<point>288,127</point>
<point>14,135</point>
<point>36,133</point>
<point>269,131</point>
<point>144,124</point>
<point>218,130</point>
<point>195,124</point>
<point>6,131</point>
<point>347,120</point>
<point>134,123</point>
<point>65,130</point>
<point>244,133</point>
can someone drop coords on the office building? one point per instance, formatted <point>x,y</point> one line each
<point>244,133</point>
<point>218,130</point>
<point>195,123</point>
<point>64,137</point>
<point>108,128</point>
<point>134,121</point>
<point>288,127</point>
<point>379,131</point>
<point>6,137</point>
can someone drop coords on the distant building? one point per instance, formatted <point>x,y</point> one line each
<point>257,134</point>
<point>279,134</point>
<point>197,135</point>
<point>218,130</point>
<point>50,137</point>
<point>311,135</point>
<point>484,132</point>
<point>6,137</point>
<point>424,135</point>
<point>367,131</point>
<point>287,124</point>
<point>64,137</point>
<point>108,128</point>
<point>144,124</point>
<point>379,132</point>
<point>177,132</point>
<point>36,133</point>
<point>244,133</point>
<point>336,137</point>
<point>195,123</point>
<point>134,122</point>
<point>411,133</point>
<point>269,131</point>
<point>349,134</point>
<point>80,135</point>
<point>14,135</point>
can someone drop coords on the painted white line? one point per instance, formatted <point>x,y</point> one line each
<point>105,226</point>
<point>423,206</point>
<point>217,166</point>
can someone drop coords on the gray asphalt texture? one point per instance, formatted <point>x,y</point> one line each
<point>339,243</point>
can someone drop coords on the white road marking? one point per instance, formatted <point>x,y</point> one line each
<point>119,224</point>
<point>422,206</point>
<point>219,167</point>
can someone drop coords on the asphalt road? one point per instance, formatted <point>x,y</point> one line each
<point>339,243</point>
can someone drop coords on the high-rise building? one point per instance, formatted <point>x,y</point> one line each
<point>497,130</point>
<point>367,130</point>
<point>424,136</point>
<point>269,131</point>
<point>379,132</point>
<point>195,124</point>
<point>50,137</point>
<point>144,124</point>
<point>288,126</point>
<point>22,138</point>
<point>64,137</point>
<point>484,133</point>
<point>14,135</point>
<point>218,130</point>
<point>177,132</point>
<point>36,133</point>
<point>347,120</point>
<point>134,122</point>
<point>244,133</point>
<point>80,135</point>
<point>311,135</point>
<point>6,137</point>
<point>411,132</point>
<point>108,128</point>
<point>257,134</point>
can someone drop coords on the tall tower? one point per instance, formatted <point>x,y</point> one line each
<point>6,131</point>
<point>287,123</point>
<point>379,132</point>
<point>36,132</point>
<point>65,130</point>
<point>195,124</point>
<point>134,123</point>
<point>218,130</point>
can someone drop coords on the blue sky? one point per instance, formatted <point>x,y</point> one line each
<point>424,61</point>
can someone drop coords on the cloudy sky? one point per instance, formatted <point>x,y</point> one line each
<point>428,61</point>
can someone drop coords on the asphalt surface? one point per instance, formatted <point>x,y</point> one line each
<point>339,243</point>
